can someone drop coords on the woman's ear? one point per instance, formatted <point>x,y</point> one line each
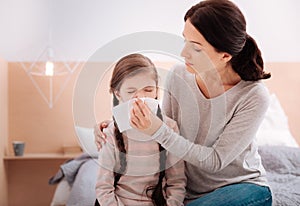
<point>226,57</point>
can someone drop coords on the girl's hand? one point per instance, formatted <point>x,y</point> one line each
<point>143,119</point>
<point>98,133</point>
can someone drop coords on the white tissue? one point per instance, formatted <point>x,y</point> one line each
<point>121,112</point>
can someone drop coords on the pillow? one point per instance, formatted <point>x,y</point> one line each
<point>87,140</point>
<point>274,130</point>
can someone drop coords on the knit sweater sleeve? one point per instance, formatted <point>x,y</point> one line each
<point>238,133</point>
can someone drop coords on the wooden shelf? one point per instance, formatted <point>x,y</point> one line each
<point>42,156</point>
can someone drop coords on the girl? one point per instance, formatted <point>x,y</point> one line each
<point>135,172</point>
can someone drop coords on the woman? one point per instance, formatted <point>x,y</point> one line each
<point>219,119</point>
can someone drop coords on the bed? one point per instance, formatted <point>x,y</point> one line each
<point>279,151</point>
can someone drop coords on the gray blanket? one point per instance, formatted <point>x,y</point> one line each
<point>81,174</point>
<point>83,191</point>
<point>69,169</point>
<point>283,172</point>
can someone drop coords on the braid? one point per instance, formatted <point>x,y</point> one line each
<point>157,196</point>
<point>121,147</point>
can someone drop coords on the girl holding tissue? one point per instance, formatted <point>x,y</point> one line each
<point>134,169</point>
<point>218,101</point>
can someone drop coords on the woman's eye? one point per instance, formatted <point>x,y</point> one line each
<point>130,92</point>
<point>197,49</point>
<point>148,90</point>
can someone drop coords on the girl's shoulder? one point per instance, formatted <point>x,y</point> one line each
<point>109,131</point>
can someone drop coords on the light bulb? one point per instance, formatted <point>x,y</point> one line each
<point>49,68</point>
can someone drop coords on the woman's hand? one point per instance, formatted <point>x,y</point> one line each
<point>143,119</point>
<point>98,133</point>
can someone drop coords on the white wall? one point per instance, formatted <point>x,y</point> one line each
<point>80,27</point>
<point>276,27</point>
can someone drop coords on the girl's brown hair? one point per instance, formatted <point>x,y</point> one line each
<point>129,66</point>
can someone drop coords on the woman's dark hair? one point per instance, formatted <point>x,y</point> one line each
<point>224,26</point>
<point>129,66</point>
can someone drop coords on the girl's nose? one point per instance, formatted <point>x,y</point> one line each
<point>139,94</point>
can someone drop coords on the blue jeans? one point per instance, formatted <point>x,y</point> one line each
<point>247,194</point>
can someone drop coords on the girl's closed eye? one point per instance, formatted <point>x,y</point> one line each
<point>131,91</point>
<point>149,89</point>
